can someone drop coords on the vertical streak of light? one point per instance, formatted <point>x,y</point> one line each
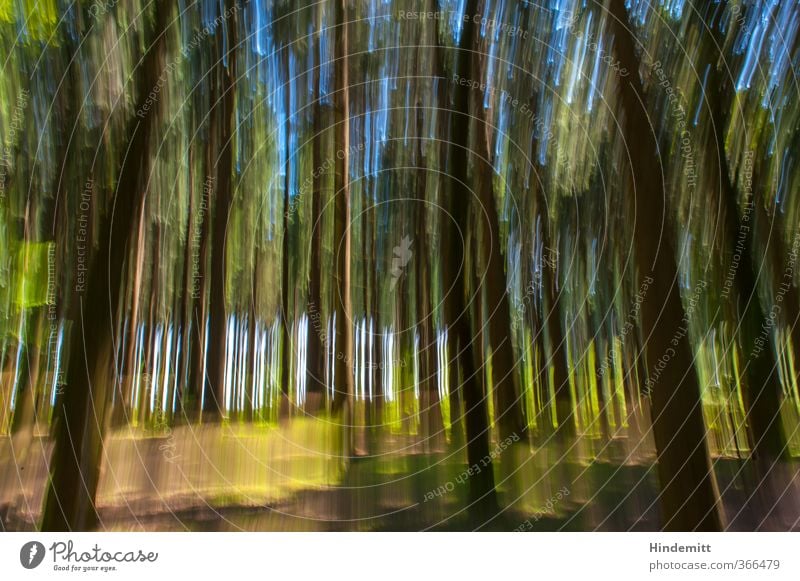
<point>356,355</point>
<point>137,372</point>
<point>371,356</point>
<point>363,358</point>
<point>18,363</point>
<point>243,366</point>
<point>416,366</point>
<point>176,383</point>
<point>204,356</point>
<point>275,367</point>
<point>439,368</point>
<point>387,386</point>
<point>258,372</point>
<point>229,338</point>
<point>332,337</point>
<point>165,389</point>
<point>57,365</point>
<point>156,341</point>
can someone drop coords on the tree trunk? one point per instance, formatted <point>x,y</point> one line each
<point>509,413</point>
<point>80,410</point>
<point>423,284</point>
<point>343,366</point>
<point>763,386</point>
<point>198,324</point>
<point>222,96</point>
<point>552,320</point>
<point>286,320</point>
<point>689,495</point>
<point>482,496</point>
<point>315,369</point>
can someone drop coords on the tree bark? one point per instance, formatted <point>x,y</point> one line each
<point>505,381</point>
<point>482,496</point>
<point>80,410</point>
<point>552,319</point>
<point>316,346</point>
<point>423,298</point>
<point>689,495</point>
<point>763,386</point>
<point>286,320</point>
<point>222,96</point>
<point>343,366</point>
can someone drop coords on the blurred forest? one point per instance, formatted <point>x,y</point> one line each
<point>399,265</point>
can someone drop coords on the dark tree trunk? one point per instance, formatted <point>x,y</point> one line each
<point>763,386</point>
<point>509,413</point>
<point>689,495</point>
<point>194,295</point>
<point>286,319</point>
<point>199,306</point>
<point>343,361</point>
<point>80,410</point>
<point>552,319</point>
<point>184,309</point>
<point>423,297</point>
<point>482,496</point>
<point>222,97</point>
<point>315,367</point>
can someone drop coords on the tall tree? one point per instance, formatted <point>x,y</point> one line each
<point>761,366</point>
<point>197,306</point>
<point>553,315</point>
<point>222,119</point>
<point>286,320</point>
<point>463,357</point>
<point>80,409</point>
<point>689,495</point>
<point>423,287</point>
<point>343,366</point>
<point>504,373</point>
<point>315,357</point>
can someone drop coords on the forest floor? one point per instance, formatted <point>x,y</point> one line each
<point>220,477</point>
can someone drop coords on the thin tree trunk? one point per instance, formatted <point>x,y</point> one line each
<point>249,400</point>
<point>155,319</point>
<point>553,315</point>
<point>129,364</point>
<point>286,320</point>
<point>199,312</point>
<point>375,279</point>
<point>423,283</point>
<point>188,347</point>
<point>223,96</point>
<point>343,367</point>
<point>316,346</point>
